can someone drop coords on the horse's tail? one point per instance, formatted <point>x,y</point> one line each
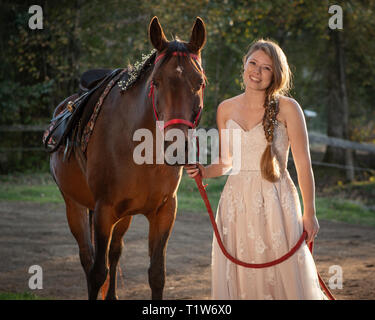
<point>52,173</point>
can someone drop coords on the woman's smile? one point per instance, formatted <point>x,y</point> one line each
<point>254,79</point>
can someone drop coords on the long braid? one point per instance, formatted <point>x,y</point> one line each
<point>269,163</point>
<point>271,106</point>
<point>280,85</point>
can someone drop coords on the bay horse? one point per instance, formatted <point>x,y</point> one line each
<point>102,198</point>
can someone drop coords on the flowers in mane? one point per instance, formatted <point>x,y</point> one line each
<point>135,71</point>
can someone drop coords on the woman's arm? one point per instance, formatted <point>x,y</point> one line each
<point>223,163</point>
<point>299,142</point>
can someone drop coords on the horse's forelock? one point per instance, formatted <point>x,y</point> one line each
<point>174,46</point>
<point>178,46</point>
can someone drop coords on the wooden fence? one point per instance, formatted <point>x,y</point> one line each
<point>23,128</point>
<point>314,137</point>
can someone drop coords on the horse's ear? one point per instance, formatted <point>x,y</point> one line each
<point>198,36</point>
<point>156,34</point>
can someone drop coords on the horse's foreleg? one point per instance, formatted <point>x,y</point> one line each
<point>104,220</point>
<point>114,254</point>
<point>161,223</point>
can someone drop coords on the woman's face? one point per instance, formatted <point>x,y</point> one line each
<point>258,71</point>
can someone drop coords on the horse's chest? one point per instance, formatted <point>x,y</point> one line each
<point>149,196</point>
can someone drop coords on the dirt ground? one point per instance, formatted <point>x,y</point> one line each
<point>38,234</point>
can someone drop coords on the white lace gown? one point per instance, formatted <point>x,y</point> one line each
<point>260,221</point>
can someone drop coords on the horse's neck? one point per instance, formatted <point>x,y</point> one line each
<point>146,111</point>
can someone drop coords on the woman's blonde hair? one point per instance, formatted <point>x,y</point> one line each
<point>280,85</point>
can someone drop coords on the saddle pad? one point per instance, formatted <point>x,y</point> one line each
<point>89,127</point>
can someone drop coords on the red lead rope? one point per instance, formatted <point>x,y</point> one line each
<point>198,180</point>
<point>203,193</point>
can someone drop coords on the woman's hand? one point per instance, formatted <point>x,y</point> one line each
<point>194,169</point>
<point>311,226</point>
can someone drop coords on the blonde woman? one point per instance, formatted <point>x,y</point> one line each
<point>259,214</point>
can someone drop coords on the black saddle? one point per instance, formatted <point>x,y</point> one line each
<point>92,78</point>
<point>65,127</point>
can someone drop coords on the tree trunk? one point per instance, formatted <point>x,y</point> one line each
<point>345,103</point>
<point>334,112</point>
<point>338,110</point>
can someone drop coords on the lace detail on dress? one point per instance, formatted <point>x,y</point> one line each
<point>270,276</point>
<point>260,246</point>
<point>250,230</point>
<point>242,250</point>
<point>259,203</point>
<point>276,237</point>
<point>260,221</point>
<point>301,257</point>
<point>225,231</point>
<point>251,272</point>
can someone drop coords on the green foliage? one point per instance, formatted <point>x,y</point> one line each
<point>189,198</point>
<point>345,211</point>
<point>38,194</point>
<point>39,188</point>
<point>352,203</point>
<point>26,104</point>
<point>360,191</point>
<point>39,68</point>
<point>19,296</point>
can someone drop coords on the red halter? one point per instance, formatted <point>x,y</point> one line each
<point>152,94</point>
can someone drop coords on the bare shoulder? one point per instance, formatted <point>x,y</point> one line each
<point>289,109</point>
<point>286,104</point>
<point>225,108</point>
<point>228,103</point>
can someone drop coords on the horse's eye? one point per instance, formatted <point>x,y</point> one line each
<point>155,83</point>
<point>200,84</point>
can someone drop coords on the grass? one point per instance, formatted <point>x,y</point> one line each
<point>328,207</point>
<point>39,188</point>
<point>19,296</point>
<point>189,198</point>
<point>344,210</point>
<point>362,191</point>
<point>351,203</point>
<point>33,193</point>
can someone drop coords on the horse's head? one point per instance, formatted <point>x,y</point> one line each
<point>177,82</point>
